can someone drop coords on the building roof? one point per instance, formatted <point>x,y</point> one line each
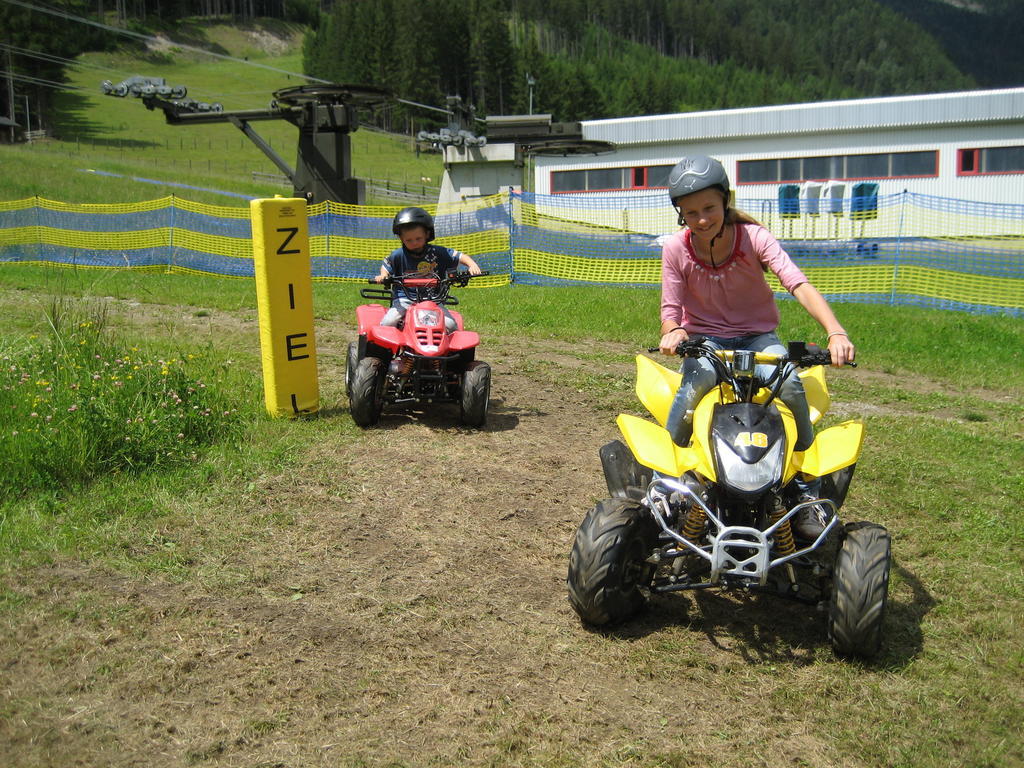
<point>934,109</point>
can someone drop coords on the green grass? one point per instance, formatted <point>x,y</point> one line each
<point>86,414</point>
<point>958,396</point>
<point>76,404</point>
<point>950,488</point>
<point>957,351</point>
<point>197,291</point>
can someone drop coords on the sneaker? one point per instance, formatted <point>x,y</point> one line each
<point>810,521</point>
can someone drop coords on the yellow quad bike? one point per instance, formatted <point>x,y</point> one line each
<point>717,513</point>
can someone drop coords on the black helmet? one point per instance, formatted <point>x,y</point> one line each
<point>417,216</point>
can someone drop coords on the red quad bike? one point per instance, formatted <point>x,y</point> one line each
<point>419,361</point>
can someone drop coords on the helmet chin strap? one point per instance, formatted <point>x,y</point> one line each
<point>711,245</point>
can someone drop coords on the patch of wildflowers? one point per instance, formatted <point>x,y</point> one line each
<point>75,407</point>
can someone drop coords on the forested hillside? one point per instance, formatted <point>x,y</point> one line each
<point>574,59</point>
<point>983,39</point>
<point>600,58</point>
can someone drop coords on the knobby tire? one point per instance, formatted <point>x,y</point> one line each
<point>860,589</point>
<point>366,400</point>
<point>607,566</point>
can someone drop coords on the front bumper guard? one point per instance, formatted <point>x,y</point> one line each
<point>734,551</point>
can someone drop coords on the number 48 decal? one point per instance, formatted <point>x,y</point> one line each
<point>757,439</point>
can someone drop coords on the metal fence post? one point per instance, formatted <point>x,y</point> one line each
<point>511,236</point>
<point>899,248</point>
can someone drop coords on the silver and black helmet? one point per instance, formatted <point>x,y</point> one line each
<point>694,173</point>
<point>410,216</point>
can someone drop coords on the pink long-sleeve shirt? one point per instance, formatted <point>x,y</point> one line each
<point>732,299</point>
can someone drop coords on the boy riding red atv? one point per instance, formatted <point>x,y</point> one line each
<point>417,350</point>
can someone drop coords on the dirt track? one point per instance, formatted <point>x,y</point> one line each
<point>414,613</point>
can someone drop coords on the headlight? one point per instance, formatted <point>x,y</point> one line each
<point>749,478</point>
<point>427,317</point>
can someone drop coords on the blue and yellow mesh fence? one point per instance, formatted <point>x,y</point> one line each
<point>900,249</point>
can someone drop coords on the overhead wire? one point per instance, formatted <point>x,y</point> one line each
<point>32,54</point>
<point>29,53</point>
<point>39,81</point>
<point>152,40</point>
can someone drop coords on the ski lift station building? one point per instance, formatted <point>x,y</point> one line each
<point>808,160</point>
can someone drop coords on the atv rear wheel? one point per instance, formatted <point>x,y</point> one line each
<point>608,564</point>
<point>860,588</point>
<point>476,392</point>
<point>367,396</point>
<point>350,366</point>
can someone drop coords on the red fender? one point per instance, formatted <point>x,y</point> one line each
<point>369,315</point>
<point>386,336</point>
<point>461,340</point>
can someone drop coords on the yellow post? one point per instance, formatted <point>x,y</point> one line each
<point>284,296</point>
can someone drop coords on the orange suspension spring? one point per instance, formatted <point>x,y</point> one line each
<point>784,534</point>
<point>694,527</point>
<point>405,364</point>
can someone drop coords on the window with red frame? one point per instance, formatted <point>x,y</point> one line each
<point>879,165</point>
<point>610,179</point>
<point>990,160</point>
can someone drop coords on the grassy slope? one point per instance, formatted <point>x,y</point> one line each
<point>119,135</point>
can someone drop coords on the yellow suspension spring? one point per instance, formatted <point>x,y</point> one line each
<point>694,527</point>
<point>784,534</point>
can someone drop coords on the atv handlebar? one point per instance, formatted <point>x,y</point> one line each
<point>738,368</point>
<point>799,353</point>
<point>431,287</point>
<point>805,355</point>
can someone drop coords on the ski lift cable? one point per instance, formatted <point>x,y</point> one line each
<point>31,54</point>
<point>75,63</point>
<point>151,39</point>
<point>424,106</point>
<point>39,81</point>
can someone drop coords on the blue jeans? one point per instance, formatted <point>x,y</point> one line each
<point>699,378</point>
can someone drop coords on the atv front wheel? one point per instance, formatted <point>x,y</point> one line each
<point>860,589</point>
<point>608,564</point>
<point>350,366</point>
<point>367,396</point>
<point>476,391</point>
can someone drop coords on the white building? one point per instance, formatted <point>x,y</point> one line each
<point>809,157</point>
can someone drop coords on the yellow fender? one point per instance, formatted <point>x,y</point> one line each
<point>818,397</point>
<point>832,449</point>
<point>652,446</point>
<point>656,387</point>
